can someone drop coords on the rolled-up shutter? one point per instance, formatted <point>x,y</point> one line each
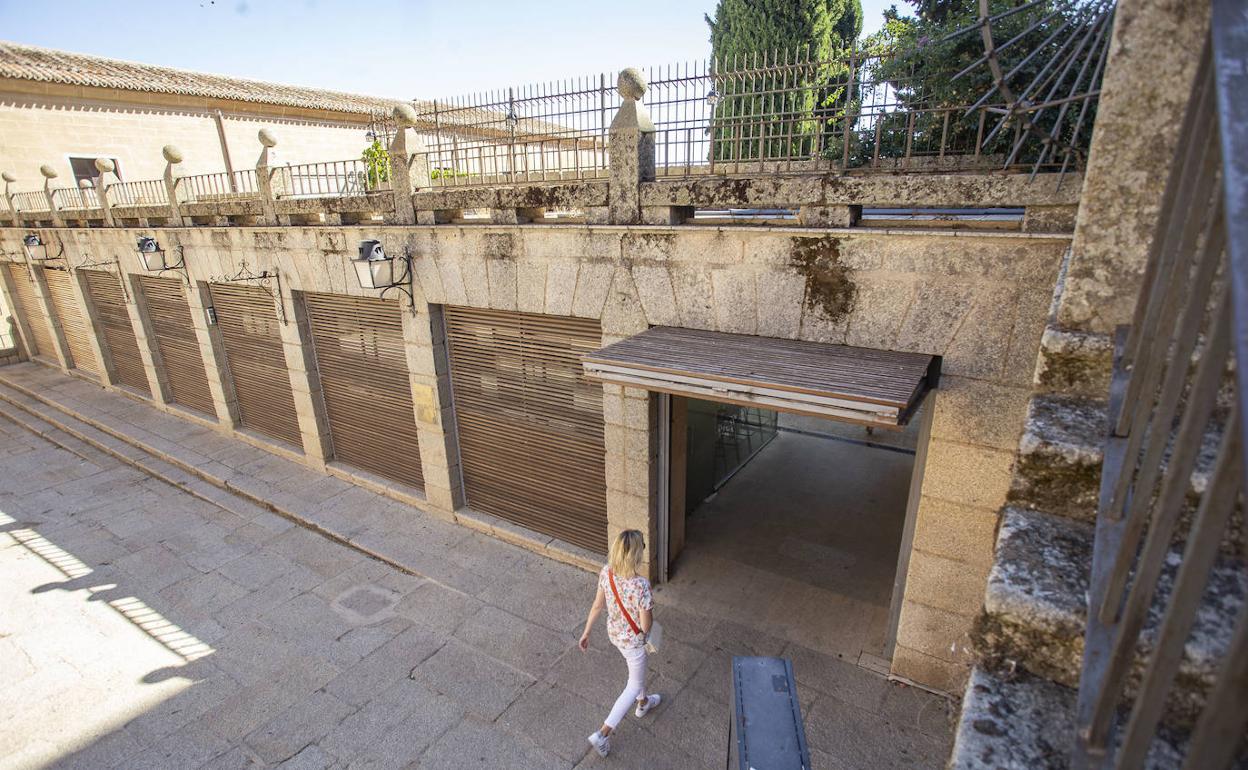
<point>362,365</point>
<point>28,307</point>
<point>123,348</point>
<point>530,424</point>
<point>174,333</point>
<point>73,320</point>
<point>256,361</point>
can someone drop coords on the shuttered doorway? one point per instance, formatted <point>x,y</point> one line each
<point>114,318</point>
<point>255,360</point>
<point>174,338</point>
<point>73,320</point>
<point>28,306</point>
<point>364,380</point>
<point>530,424</point>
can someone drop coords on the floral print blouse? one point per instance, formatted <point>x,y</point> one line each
<point>635,593</point>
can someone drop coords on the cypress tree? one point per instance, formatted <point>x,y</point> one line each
<point>788,122</point>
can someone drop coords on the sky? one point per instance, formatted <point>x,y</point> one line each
<point>380,47</point>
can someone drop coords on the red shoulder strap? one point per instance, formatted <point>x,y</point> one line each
<point>620,604</point>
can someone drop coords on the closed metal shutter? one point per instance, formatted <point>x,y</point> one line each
<point>174,333</point>
<point>73,320</point>
<point>110,309</point>
<point>530,424</point>
<point>364,380</point>
<point>247,318</point>
<point>28,306</point>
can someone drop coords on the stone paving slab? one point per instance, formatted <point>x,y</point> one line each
<point>143,626</point>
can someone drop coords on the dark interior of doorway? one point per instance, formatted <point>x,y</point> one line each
<point>788,523</point>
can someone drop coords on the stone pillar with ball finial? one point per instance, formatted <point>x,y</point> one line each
<point>106,179</point>
<point>173,156</point>
<point>9,178</point>
<point>630,144</point>
<point>49,174</point>
<point>269,187</point>
<point>409,166</point>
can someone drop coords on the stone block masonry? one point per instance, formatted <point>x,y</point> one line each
<point>977,299</point>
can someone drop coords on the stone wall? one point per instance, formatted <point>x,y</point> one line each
<point>979,300</point>
<point>48,129</point>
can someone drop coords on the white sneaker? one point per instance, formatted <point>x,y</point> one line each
<point>645,706</point>
<point>601,743</point>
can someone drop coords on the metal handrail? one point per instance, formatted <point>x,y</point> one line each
<point>147,192</point>
<point>332,179</point>
<point>223,185</point>
<point>1177,391</point>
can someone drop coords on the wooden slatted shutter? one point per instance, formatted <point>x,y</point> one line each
<point>73,320</point>
<point>174,337</point>
<point>28,307</point>
<point>530,424</point>
<point>362,364</point>
<point>256,361</point>
<point>123,347</point>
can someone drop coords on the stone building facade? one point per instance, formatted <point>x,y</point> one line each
<point>981,300</point>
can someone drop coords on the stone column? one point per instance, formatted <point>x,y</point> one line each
<point>173,156</point>
<point>9,178</point>
<point>424,337</point>
<point>264,180</point>
<point>409,167</point>
<point>49,174</point>
<point>631,146</point>
<point>107,178</point>
<point>305,384</point>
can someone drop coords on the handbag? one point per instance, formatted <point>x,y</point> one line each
<point>655,638</point>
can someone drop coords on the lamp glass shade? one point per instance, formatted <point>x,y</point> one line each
<point>375,273</point>
<point>154,261</point>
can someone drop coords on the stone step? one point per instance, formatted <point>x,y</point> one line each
<point>1035,609</point>
<point>1059,456</point>
<point>1074,363</point>
<point>1026,722</point>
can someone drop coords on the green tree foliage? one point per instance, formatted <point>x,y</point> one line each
<point>377,162</point>
<point>775,113</point>
<point>921,72</point>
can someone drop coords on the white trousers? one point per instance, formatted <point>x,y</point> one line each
<point>636,659</point>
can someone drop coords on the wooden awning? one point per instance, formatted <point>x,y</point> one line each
<point>862,385</point>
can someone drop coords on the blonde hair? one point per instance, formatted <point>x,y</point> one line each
<point>626,554</point>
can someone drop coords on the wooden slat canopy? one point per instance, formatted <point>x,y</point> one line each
<point>872,387</point>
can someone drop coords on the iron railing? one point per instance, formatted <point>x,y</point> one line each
<point>543,132</point>
<point>333,179</point>
<point>147,192</point>
<point>221,186</point>
<point>1177,404</point>
<point>31,201</point>
<point>75,198</point>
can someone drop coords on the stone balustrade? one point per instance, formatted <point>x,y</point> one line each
<point>630,194</point>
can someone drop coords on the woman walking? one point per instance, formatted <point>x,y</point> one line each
<point>626,595</point>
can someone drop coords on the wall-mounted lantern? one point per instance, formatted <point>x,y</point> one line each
<point>156,260</point>
<point>37,250</point>
<point>712,98</point>
<point>376,270</point>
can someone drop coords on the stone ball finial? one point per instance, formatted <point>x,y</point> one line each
<point>171,153</point>
<point>48,171</point>
<point>267,137</point>
<point>104,165</point>
<point>85,183</point>
<point>404,115</point>
<point>631,84</point>
<point>8,176</point>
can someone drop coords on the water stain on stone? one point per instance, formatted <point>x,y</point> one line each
<point>829,284</point>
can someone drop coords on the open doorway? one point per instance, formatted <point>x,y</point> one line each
<point>796,524</point>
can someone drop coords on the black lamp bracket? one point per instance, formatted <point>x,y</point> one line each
<point>269,280</point>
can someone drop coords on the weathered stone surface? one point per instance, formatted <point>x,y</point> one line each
<point>531,286</point>
<point>736,303</point>
<point>654,288</point>
<point>780,296</point>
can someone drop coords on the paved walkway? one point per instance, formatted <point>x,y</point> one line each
<point>144,624</point>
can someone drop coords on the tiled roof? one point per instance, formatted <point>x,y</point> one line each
<point>47,65</point>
